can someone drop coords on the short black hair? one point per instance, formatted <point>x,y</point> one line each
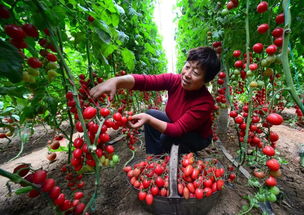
<point>207,60</point>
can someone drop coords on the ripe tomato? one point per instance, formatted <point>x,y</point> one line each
<point>89,113</point>
<point>273,136</point>
<point>258,47</point>
<point>271,49</point>
<point>79,208</point>
<point>269,151</point>
<point>278,41</point>
<point>277,32</point>
<point>34,62</point>
<point>262,7</point>
<point>233,113</point>
<point>186,193</point>
<point>154,190</point>
<point>238,120</point>
<point>77,153</point>
<point>51,57</point>
<point>271,181</point>
<point>91,18</point>
<point>78,195</point>
<point>39,176</point>
<point>159,182</point>
<point>238,64</point>
<point>207,191</point>
<point>48,185</point>
<point>188,170</point>
<point>15,32</point>
<point>274,119</point>
<point>220,184</point>
<point>159,170</point>
<point>33,193</point>
<point>149,199</point>
<point>60,199</point>
<point>222,75</point>
<point>22,169</point>
<point>110,149</point>
<point>232,176</point>
<point>104,112</point>
<point>54,193</point>
<point>207,183</point>
<point>236,53</point>
<point>273,164</point>
<point>253,66</point>
<point>142,195</point>
<point>103,138</point>
<point>78,142</point>
<point>30,30</point>
<point>117,116</point>
<point>191,188</point>
<point>276,174</point>
<point>199,193</point>
<point>280,18</point>
<point>263,28</point>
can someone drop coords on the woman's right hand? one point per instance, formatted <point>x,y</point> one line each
<point>108,87</point>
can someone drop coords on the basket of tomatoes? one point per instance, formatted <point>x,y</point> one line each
<point>177,184</point>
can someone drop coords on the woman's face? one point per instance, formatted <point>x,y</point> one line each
<point>192,76</point>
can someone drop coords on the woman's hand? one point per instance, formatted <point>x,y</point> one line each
<point>140,119</point>
<point>108,87</point>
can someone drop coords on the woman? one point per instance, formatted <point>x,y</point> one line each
<point>187,120</point>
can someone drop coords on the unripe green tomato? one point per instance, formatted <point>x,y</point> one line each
<point>271,197</point>
<point>236,72</point>
<point>33,72</point>
<point>225,12</point>
<point>264,63</point>
<point>232,76</point>
<point>271,59</point>
<point>278,60</point>
<point>26,77</point>
<point>111,163</point>
<point>234,83</point>
<point>32,79</point>
<point>52,74</point>
<point>249,73</point>
<point>52,65</point>
<point>275,190</point>
<point>260,83</point>
<point>260,197</point>
<point>115,158</point>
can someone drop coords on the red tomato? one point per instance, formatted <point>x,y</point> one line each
<point>263,28</point>
<point>258,47</point>
<point>273,136</point>
<point>233,113</point>
<point>142,195</point>
<point>277,32</point>
<point>104,112</point>
<point>220,184</point>
<point>110,149</point>
<point>89,113</point>
<point>191,188</point>
<point>278,41</point>
<point>34,62</point>
<point>78,142</point>
<point>269,151</point>
<point>159,182</point>
<point>280,19</point>
<point>103,138</point>
<point>238,64</point>
<point>33,193</point>
<point>236,53</point>
<point>117,116</point>
<point>51,57</point>
<point>30,30</point>
<point>15,32</point>
<point>232,176</point>
<point>207,183</point>
<point>48,185</point>
<point>60,199</point>
<point>207,191</point>
<point>180,189</point>
<point>238,120</point>
<point>77,153</point>
<point>79,208</point>
<point>54,193</point>
<point>149,199</point>
<point>78,195</point>
<point>271,181</point>
<point>154,190</point>
<point>22,169</point>
<point>274,119</point>
<point>39,176</point>
<point>253,66</point>
<point>91,18</point>
<point>262,7</point>
<point>186,193</point>
<point>259,174</point>
<point>271,49</point>
<point>199,193</point>
<point>188,170</point>
<point>222,75</point>
<point>273,164</point>
<point>159,170</point>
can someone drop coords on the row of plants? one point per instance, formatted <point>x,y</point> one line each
<point>256,43</point>
<point>52,54</point>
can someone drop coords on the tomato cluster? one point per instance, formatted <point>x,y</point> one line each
<point>17,35</point>
<point>48,186</point>
<point>196,178</point>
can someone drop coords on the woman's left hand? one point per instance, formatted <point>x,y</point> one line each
<point>140,119</point>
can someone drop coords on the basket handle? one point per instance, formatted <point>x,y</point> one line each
<point>173,165</point>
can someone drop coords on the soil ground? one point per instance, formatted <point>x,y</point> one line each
<point>118,198</point>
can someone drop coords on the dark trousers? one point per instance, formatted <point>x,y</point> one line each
<point>159,143</point>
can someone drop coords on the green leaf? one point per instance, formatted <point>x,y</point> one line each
<point>149,48</point>
<point>128,58</point>
<point>104,36</point>
<point>10,62</point>
<point>107,49</point>
<point>52,104</point>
